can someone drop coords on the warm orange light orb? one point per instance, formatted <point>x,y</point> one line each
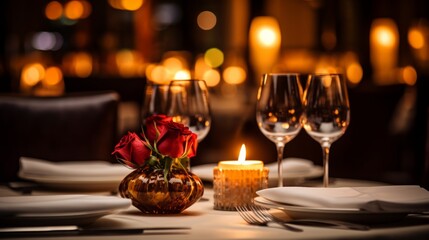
<point>206,20</point>
<point>53,10</point>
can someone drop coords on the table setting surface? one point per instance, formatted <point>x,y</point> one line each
<point>201,221</point>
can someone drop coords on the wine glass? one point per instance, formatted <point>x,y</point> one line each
<point>188,103</point>
<point>326,112</point>
<point>155,100</point>
<point>278,111</point>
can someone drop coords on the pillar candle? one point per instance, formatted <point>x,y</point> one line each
<point>236,182</point>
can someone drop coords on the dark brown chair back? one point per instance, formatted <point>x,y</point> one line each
<point>71,127</point>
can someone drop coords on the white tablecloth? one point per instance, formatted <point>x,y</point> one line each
<point>207,223</point>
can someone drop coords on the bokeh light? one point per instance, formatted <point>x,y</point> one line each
<point>267,36</point>
<point>159,74</point>
<point>206,20</point>
<point>47,41</point>
<point>354,73</point>
<point>385,36</point>
<point>234,75</point>
<point>409,75</point>
<point>173,64</point>
<point>53,10</point>
<point>213,57</point>
<point>53,76</point>
<point>129,5</point>
<point>416,38</point>
<point>78,64</point>
<point>167,14</point>
<point>182,75</point>
<point>128,62</point>
<point>200,67</point>
<point>32,74</point>
<point>74,9</point>
<point>212,77</point>
<point>87,9</point>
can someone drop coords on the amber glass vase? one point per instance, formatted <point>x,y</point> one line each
<point>152,194</point>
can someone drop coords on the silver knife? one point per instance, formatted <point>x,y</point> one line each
<point>75,230</point>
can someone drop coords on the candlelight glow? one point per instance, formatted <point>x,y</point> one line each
<point>264,43</point>
<point>182,75</point>
<point>384,46</point>
<point>267,36</point>
<point>385,36</point>
<point>242,155</point>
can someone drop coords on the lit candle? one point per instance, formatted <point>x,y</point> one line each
<point>236,182</point>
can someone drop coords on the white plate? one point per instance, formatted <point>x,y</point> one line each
<point>58,209</point>
<point>293,173</point>
<point>73,175</point>
<point>79,219</point>
<point>343,214</point>
<point>107,183</point>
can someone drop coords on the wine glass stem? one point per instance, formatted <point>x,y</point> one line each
<point>325,148</point>
<point>280,147</point>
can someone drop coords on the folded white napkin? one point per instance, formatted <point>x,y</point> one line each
<point>93,169</point>
<point>294,165</point>
<point>404,198</point>
<point>47,204</point>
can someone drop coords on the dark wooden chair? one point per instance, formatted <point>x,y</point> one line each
<point>78,126</point>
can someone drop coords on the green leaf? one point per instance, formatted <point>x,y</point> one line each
<point>153,161</point>
<point>167,167</point>
<point>183,163</point>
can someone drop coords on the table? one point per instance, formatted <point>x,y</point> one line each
<point>207,223</point>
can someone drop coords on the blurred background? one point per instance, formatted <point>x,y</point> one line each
<point>55,47</point>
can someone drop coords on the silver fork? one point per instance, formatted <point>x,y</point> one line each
<point>261,211</point>
<point>256,218</point>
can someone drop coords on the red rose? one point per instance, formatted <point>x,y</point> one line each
<point>132,150</point>
<point>174,138</point>
<point>160,121</point>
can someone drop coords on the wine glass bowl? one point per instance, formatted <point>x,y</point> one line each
<point>188,103</point>
<point>278,111</point>
<point>155,100</point>
<point>326,112</point>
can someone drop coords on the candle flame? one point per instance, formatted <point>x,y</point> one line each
<point>242,156</point>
